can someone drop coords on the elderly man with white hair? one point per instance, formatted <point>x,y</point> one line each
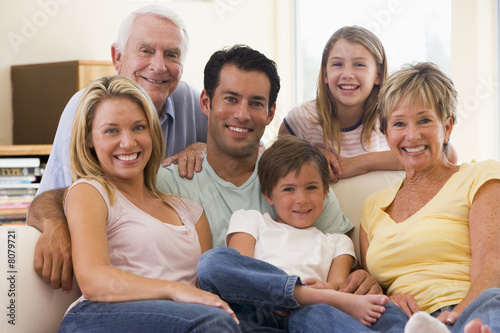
<point>150,49</point>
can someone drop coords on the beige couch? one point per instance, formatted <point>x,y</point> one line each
<point>28,304</point>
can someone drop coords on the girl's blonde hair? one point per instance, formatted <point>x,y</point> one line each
<point>325,102</point>
<point>83,160</point>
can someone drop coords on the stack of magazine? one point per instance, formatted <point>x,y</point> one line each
<point>19,180</point>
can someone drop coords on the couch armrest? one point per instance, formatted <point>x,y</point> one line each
<point>352,192</point>
<point>27,303</point>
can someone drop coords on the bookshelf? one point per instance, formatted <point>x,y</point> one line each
<point>21,169</point>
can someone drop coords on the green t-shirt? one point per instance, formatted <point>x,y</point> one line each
<point>220,199</point>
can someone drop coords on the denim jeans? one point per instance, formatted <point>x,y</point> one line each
<point>485,307</point>
<point>147,316</point>
<point>254,288</point>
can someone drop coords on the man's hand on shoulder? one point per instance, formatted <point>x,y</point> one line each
<point>189,160</point>
<point>360,282</point>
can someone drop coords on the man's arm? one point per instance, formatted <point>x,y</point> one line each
<point>53,249</point>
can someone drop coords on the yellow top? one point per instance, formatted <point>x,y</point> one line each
<point>428,255</point>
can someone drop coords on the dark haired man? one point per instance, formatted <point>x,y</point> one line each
<point>239,97</point>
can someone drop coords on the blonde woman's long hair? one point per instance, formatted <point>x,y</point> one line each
<point>83,160</point>
<point>325,103</point>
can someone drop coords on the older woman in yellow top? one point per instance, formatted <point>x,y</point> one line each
<point>433,240</point>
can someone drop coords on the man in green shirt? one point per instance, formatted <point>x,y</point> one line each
<point>239,98</point>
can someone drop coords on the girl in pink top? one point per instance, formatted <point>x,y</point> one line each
<point>342,121</point>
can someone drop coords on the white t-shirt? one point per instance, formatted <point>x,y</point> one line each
<point>304,252</point>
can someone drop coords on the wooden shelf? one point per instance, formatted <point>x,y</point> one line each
<point>25,150</point>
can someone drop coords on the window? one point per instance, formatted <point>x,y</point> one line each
<point>410,31</point>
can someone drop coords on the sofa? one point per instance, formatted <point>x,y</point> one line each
<point>28,304</point>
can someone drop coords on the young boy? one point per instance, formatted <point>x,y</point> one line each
<point>293,256</point>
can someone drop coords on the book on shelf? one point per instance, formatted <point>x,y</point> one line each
<point>10,192</point>
<point>12,217</point>
<point>19,162</point>
<point>21,171</point>
<point>14,211</point>
<point>14,205</point>
<point>13,222</point>
<point>17,179</point>
<point>19,185</point>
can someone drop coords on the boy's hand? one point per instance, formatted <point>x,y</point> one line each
<point>318,284</point>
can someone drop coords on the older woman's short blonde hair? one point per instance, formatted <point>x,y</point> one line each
<point>82,157</point>
<point>423,83</point>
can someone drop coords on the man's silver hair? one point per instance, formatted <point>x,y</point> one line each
<point>154,10</point>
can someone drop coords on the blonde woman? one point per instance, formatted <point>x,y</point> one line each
<point>134,249</point>
<point>431,241</point>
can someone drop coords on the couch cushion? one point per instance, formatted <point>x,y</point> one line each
<point>352,192</point>
<point>28,303</point>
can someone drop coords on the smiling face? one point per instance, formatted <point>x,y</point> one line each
<point>121,138</point>
<point>350,73</point>
<point>298,197</point>
<point>153,57</point>
<point>238,113</point>
<point>416,135</point>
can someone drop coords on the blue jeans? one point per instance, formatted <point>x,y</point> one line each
<point>254,288</point>
<point>147,316</point>
<point>485,307</point>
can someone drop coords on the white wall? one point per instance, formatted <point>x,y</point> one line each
<point>474,69</point>
<point>63,30</point>
<point>37,31</point>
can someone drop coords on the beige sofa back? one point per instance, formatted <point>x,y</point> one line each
<point>352,192</point>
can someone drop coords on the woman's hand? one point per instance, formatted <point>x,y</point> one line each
<point>183,293</point>
<point>407,303</point>
<point>448,317</point>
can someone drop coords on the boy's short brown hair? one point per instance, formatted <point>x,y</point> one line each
<point>289,153</point>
